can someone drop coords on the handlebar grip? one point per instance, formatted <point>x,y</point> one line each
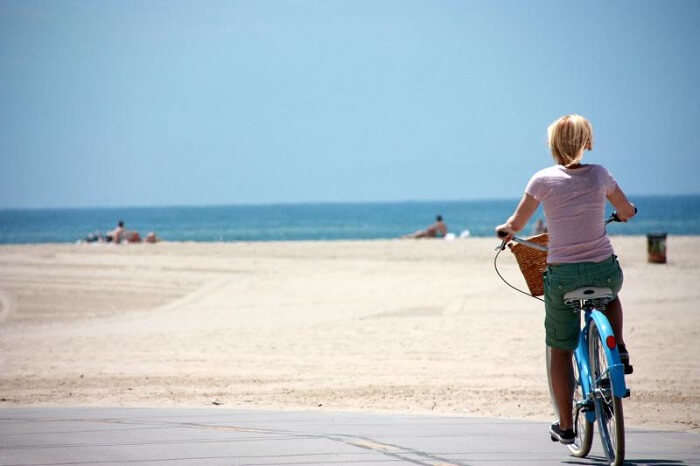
<point>617,219</point>
<point>501,233</point>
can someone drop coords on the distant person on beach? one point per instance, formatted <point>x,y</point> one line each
<point>120,235</point>
<point>580,253</point>
<point>151,238</point>
<point>436,230</point>
<point>540,227</point>
<point>116,235</point>
<point>132,237</point>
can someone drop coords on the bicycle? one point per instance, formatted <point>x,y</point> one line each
<point>598,375</point>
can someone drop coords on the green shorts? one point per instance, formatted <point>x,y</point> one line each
<point>562,325</point>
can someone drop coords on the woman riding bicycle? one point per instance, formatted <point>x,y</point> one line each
<point>580,254</point>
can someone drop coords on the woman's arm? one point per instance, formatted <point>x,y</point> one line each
<point>625,209</point>
<point>527,206</point>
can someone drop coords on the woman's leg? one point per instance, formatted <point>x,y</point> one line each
<point>561,385</point>
<point>614,315</point>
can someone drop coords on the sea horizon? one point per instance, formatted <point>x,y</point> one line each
<point>308,202</point>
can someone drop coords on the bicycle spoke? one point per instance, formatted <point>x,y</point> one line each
<point>583,428</point>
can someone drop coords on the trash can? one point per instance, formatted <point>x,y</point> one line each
<point>656,248</point>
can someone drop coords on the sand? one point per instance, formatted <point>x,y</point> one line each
<point>411,326</point>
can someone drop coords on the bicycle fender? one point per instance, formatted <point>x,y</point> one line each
<point>617,369</point>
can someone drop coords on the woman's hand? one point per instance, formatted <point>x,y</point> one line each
<point>624,208</point>
<point>507,229</point>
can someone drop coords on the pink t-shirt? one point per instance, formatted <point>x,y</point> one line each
<point>574,205</point>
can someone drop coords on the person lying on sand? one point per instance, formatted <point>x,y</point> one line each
<point>132,237</point>
<point>151,238</point>
<point>436,230</point>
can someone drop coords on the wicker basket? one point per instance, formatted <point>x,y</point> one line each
<point>532,263</point>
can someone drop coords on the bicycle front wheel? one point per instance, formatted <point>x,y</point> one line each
<point>584,428</point>
<point>608,407</point>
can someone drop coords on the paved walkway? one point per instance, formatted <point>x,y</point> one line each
<point>129,436</point>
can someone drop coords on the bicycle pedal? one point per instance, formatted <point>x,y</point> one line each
<point>629,369</point>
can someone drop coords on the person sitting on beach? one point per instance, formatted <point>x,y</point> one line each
<point>540,227</point>
<point>116,235</point>
<point>580,253</point>
<point>119,235</point>
<point>436,230</point>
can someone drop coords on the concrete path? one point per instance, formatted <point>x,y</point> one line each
<point>130,436</point>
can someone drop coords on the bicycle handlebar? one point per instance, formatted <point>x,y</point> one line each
<point>614,218</point>
<point>502,234</point>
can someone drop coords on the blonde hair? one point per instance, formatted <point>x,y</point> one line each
<point>568,137</point>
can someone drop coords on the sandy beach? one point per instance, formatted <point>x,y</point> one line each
<point>402,325</point>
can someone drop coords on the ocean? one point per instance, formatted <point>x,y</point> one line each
<point>678,215</point>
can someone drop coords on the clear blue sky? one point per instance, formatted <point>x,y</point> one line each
<point>122,103</point>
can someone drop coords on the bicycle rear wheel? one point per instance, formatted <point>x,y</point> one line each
<point>608,407</point>
<point>584,428</point>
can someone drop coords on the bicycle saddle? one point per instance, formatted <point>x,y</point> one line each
<point>588,292</point>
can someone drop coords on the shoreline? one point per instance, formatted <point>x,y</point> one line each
<point>401,326</point>
<point>325,240</point>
